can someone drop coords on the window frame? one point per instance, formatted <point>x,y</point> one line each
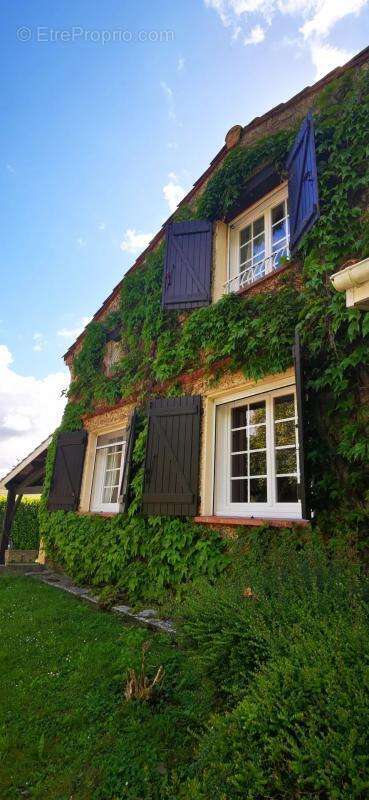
<point>222,504</point>
<point>248,217</point>
<point>99,506</point>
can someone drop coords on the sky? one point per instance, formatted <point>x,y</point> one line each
<point>109,112</point>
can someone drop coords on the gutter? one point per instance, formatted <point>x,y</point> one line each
<point>354,280</point>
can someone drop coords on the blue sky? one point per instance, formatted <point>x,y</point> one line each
<point>110,111</point>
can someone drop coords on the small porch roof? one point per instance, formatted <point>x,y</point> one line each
<point>28,476</point>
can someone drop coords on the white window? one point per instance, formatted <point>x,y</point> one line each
<point>256,456</point>
<point>109,461</point>
<point>258,241</point>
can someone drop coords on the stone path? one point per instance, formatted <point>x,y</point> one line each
<point>146,617</point>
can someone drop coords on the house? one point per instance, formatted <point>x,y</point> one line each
<point>246,255</point>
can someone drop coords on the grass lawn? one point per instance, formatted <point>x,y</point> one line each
<point>65,730</point>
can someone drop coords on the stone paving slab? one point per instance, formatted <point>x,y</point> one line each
<point>145,617</point>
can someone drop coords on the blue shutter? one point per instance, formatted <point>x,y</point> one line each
<point>302,183</point>
<point>187,266</point>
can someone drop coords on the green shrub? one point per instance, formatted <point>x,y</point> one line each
<point>145,558</point>
<point>299,672</point>
<point>25,529</point>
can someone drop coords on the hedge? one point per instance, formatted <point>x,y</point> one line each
<point>25,530</point>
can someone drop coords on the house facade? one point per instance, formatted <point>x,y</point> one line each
<point>218,349</point>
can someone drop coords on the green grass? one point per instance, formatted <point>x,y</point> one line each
<point>266,697</point>
<point>65,730</point>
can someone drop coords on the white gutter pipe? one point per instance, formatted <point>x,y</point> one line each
<point>351,280</point>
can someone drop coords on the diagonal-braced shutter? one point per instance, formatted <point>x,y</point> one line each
<point>303,192</point>
<point>187,266</point>
<point>172,457</point>
<point>68,467</point>
<point>124,493</point>
<point>301,423</point>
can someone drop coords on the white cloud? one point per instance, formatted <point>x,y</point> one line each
<point>173,191</point>
<point>315,20</point>
<point>102,226</point>
<point>327,13</point>
<point>326,57</point>
<point>180,64</point>
<point>72,333</point>
<point>39,342</point>
<point>134,242</point>
<point>30,409</point>
<point>10,169</point>
<point>257,35</point>
<point>169,94</point>
<point>167,90</point>
<point>81,241</point>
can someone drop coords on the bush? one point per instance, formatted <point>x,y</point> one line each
<point>297,661</point>
<point>144,558</point>
<point>25,530</point>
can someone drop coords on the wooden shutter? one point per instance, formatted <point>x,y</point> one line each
<point>172,457</point>
<point>67,477</point>
<point>301,415</point>
<point>187,266</point>
<point>124,493</point>
<point>302,183</point>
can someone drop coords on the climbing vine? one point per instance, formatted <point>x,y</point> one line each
<point>255,334</point>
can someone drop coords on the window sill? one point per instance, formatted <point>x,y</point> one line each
<point>253,521</point>
<point>265,279</point>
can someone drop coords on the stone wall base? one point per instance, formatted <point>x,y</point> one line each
<point>20,556</point>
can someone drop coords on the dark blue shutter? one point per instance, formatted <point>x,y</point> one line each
<point>172,457</point>
<point>187,266</point>
<point>302,183</point>
<point>68,467</point>
<point>301,426</point>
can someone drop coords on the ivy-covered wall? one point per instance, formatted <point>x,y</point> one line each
<point>255,333</point>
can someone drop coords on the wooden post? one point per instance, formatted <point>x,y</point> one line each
<point>7,524</point>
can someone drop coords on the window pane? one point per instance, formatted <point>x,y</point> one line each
<point>258,490</point>
<point>285,461</point>
<point>258,464</point>
<point>239,440</point>
<point>106,438</point>
<point>279,235</point>
<point>239,417</point>
<point>257,437</point>
<point>245,254</point>
<point>278,213</point>
<point>245,235</point>
<point>113,460</point>
<point>114,496</point>
<point>284,407</point>
<point>287,490</point>
<point>259,248</point>
<point>239,491</point>
<point>285,433</point>
<point>258,226</point>
<point>256,413</point>
<point>111,477</point>
<point>239,466</point>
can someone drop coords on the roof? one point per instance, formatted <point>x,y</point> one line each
<point>34,461</point>
<point>356,61</point>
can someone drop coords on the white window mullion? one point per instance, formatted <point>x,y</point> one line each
<point>268,241</point>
